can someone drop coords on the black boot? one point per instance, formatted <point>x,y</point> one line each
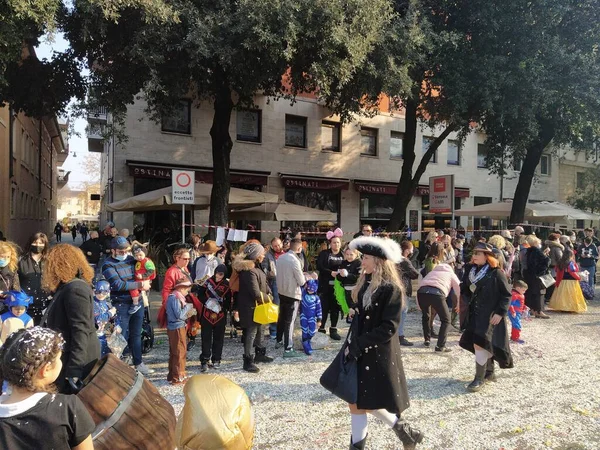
<point>261,355</point>
<point>359,445</point>
<point>333,334</point>
<point>490,375</point>
<point>479,380</point>
<point>409,436</point>
<point>249,365</point>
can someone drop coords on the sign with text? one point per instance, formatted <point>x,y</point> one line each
<point>183,182</point>
<point>441,194</point>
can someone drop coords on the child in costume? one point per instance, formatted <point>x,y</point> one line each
<point>178,311</point>
<point>347,276</point>
<point>104,312</point>
<point>16,317</point>
<point>310,313</point>
<point>516,309</point>
<point>144,270</point>
<point>32,415</point>
<point>217,301</point>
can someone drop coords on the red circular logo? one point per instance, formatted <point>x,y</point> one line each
<point>183,180</point>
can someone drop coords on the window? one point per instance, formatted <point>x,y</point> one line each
<point>482,153</point>
<point>545,165</point>
<point>295,131</point>
<point>375,207</point>
<point>427,141</point>
<point>481,200</point>
<point>248,125</point>
<point>453,153</point>
<point>179,121</point>
<point>396,141</point>
<point>331,133</point>
<point>457,203</point>
<point>580,180</point>
<point>368,141</point>
<point>325,200</point>
<point>517,165</point>
<point>13,202</point>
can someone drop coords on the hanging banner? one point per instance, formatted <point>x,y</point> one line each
<point>441,194</point>
<point>183,182</point>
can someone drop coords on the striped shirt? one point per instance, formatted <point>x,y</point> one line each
<point>121,276</point>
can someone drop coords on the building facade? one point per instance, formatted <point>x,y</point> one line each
<point>307,157</point>
<point>30,152</point>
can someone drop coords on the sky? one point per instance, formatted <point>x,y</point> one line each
<point>77,144</point>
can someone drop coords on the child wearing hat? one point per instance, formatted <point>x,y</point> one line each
<point>16,318</point>
<point>205,265</point>
<point>104,312</point>
<point>217,301</point>
<point>144,270</point>
<point>178,311</point>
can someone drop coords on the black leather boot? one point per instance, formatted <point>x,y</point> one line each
<point>479,380</point>
<point>409,436</point>
<point>490,374</point>
<point>359,445</point>
<point>333,334</point>
<point>261,355</point>
<point>249,365</point>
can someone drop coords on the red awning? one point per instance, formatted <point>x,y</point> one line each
<point>301,182</point>
<point>202,176</point>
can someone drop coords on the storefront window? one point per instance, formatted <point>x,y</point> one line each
<point>374,207</point>
<point>324,200</point>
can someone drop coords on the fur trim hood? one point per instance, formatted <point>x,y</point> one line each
<point>239,264</point>
<point>551,244</point>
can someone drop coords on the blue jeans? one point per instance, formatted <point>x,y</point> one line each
<point>131,326</point>
<point>592,271</point>
<point>275,292</point>
<point>403,317</point>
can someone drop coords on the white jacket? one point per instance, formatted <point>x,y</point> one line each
<point>290,277</point>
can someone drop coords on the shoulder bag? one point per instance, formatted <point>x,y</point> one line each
<point>266,311</point>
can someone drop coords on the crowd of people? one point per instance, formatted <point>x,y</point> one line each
<point>88,293</point>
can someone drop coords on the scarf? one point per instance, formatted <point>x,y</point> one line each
<point>180,297</point>
<point>474,276</point>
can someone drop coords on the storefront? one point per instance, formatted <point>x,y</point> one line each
<point>314,192</point>
<point>431,222</point>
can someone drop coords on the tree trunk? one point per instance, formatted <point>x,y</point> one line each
<point>531,161</point>
<point>221,153</point>
<point>408,183</point>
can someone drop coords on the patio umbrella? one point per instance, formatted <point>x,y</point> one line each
<point>281,211</point>
<point>160,199</point>
<point>553,212</point>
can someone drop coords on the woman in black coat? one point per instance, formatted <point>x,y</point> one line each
<point>382,389</point>
<point>71,312</point>
<point>328,264</point>
<point>485,332</point>
<point>31,267</point>
<point>537,264</point>
<point>253,288</point>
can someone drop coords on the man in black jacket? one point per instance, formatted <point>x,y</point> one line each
<point>92,249</point>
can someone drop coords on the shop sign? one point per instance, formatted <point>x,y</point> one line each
<point>458,192</point>
<point>183,187</point>
<point>307,183</point>
<point>202,176</point>
<point>149,172</point>
<point>441,194</point>
<point>385,189</point>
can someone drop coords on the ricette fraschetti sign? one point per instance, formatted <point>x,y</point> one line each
<point>441,194</point>
<point>183,191</point>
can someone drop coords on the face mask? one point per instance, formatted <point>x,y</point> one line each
<point>120,257</point>
<point>37,248</point>
<point>4,262</point>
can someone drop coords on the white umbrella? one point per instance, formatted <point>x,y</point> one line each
<point>281,211</point>
<point>160,199</point>
<point>553,212</point>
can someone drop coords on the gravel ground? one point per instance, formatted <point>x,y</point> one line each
<point>551,399</point>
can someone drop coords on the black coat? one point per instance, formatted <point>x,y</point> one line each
<point>9,281</point>
<point>72,314</point>
<point>381,380</point>
<point>92,246</point>
<point>253,281</point>
<point>492,296</point>
<point>30,279</point>
<point>353,269</point>
<point>327,262</point>
<point>537,265</point>
<point>407,273</point>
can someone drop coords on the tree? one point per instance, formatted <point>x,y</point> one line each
<point>587,197</point>
<point>224,52</point>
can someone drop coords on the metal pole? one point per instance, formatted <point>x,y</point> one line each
<point>183,223</point>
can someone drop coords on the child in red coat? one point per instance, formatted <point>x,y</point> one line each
<point>144,270</point>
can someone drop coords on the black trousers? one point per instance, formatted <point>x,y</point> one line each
<point>252,338</point>
<point>437,303</point>
<point>287,307</point>
<point>330,306</point>
<point>213,337</point>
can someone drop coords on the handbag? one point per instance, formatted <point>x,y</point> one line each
<point>547,280</point>
<point>341,377</point>
<point>587,290</point>
<point>267,311</point>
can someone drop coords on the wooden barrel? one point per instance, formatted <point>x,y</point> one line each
<point>128,411</point>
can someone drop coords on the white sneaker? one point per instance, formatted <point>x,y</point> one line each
<point>144,370</point>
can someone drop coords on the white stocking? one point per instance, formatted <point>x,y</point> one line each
<point>385,416</point>
<point>482,356</point>
<point>359,427</point>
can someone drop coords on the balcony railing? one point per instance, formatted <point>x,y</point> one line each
<point>95,138</point>
<point>99,114</point>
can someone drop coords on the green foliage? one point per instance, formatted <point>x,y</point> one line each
<point>587,198</point>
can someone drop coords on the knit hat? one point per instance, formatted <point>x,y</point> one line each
<point>17,298</point>
<point>253,251</point>
<point>221,268</point>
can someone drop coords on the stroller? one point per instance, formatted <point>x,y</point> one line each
<point>147,332</point>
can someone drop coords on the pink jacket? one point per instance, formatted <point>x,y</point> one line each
<point>443,278</point>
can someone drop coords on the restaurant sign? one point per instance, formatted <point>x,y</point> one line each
<point>312,183</point>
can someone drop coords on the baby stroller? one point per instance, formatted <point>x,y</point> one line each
<point>147,332</point>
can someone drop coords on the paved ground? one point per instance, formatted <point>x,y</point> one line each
<point>551,399</point>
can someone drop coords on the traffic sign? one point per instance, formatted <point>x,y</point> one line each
<point>183,182</point>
